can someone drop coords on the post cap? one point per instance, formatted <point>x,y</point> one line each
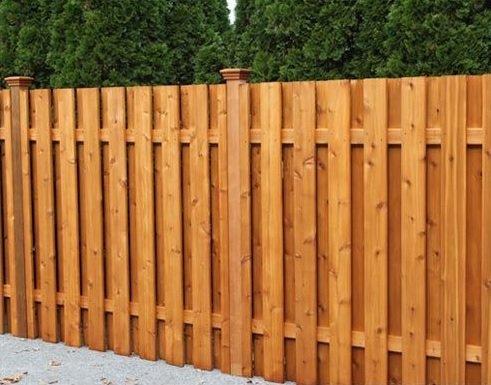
<point>235,74</point>
<point>19,81</point>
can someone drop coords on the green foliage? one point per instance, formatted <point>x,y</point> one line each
<point>24,39</point>
<point>369,53</point>
<point>317,39</point>
<point>438,37</point>
<point>74,43</point>
<point>121,42</point>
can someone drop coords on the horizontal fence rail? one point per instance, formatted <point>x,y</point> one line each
<point>330,232</point>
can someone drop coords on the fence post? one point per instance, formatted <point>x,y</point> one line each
<point>239,220</point>
<point>15,204</point>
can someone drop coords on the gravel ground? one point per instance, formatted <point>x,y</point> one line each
<point>35,362</point>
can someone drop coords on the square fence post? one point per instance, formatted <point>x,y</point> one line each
<point>239,220</point>
<point>15,202</point>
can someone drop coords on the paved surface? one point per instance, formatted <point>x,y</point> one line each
<point>35,362</point>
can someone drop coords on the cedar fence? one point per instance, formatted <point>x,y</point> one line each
<point>322,232</point>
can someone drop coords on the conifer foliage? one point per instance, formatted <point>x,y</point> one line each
<point>73,43</point>
<point>317,39</point>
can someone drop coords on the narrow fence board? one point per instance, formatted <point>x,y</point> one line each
<point>13,188</point>
<point>453,229</point>
<point>272,231</point>
<point>245,231</point>
<point>141,98</point>
<point>200,227</point>
<point>32,331</point>
<point>223,207</point>
<point>2,213</point>
<point>168,119</point>
<point>486,239</point>
<point>338,110</point>
<point>304,164</point>
<point>65,101</point>
<point>88,118</point>
<point>413,232</point>
<point>114,119</point>
<point>41,107</point>
<point>375,233</point>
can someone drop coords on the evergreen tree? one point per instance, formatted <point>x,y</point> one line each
<point>329,46</point>
<point>316,39</point>
<point>24,39</point>
<point>214,53</point>
<point>102,42</point>
<point>73,43</point>
<point>426,37</point>
<point>245,26</point>
<point>369,53</point>
<point>292,40</point>
<point>195,29</point>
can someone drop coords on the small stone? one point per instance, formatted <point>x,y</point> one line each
<point>12,379</point>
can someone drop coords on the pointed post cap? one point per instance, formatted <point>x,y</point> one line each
<point>235,74</point>
<point>19,81</point>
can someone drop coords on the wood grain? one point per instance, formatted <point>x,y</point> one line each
<point>376,259</point>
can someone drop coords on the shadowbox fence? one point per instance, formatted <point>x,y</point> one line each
<point>322,232</point>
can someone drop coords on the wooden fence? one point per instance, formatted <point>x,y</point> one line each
<point>321,232</point>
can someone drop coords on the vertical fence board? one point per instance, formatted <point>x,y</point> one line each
<point>486,239</point>
<point>41,105</point>
<point>14,212</point>
<point>65,101</point>
<point>167,119</point>
<point>304,164</point>
<point>375,124</point>
<point>141,99</point>
<point>434,283</point>
<point>272,232</point>
<point>223,209</point>
<point>413,230</point>
<point>114,120</point>
<point>237,186</point>
<point>32,331</point>
<point>88,117</point>
<point>245,230</point>
<point>339,197</point>
<point>454,222</point>
<point>201,228</point>
<point>4,113</point>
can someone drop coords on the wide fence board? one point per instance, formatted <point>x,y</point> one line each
<point>167,104</point>
<point>114,120</point>
<point>65,108</point>
<point>304,223</point>
<point>89,120</point>
<point>42,121</point>
<point>375,228</point>
<point>319,232</point>
<point>413,231</point>
<point>200,227</point>
<point>272,232</point>
<point>454,232</point>
<point>339,197</point>
<point>140,99</point>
